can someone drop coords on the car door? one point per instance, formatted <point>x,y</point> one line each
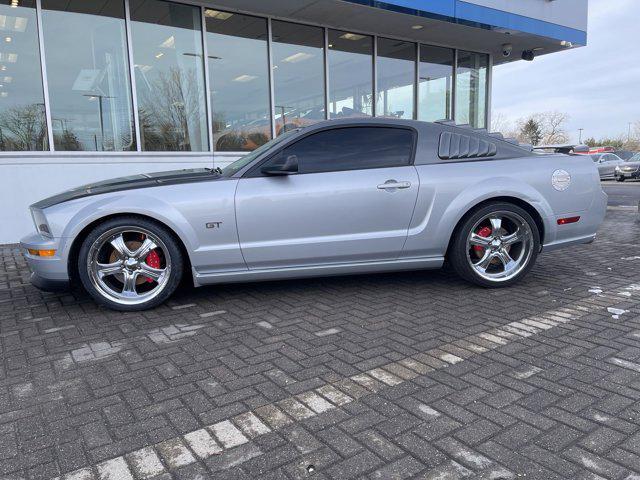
<point>602,166</point>
<point>351,199</point>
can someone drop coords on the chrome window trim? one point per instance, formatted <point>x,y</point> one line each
<point>132,75</point>
<point>207,85</point>
<point>43,69</point>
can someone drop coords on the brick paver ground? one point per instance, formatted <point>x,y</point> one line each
<point>407,375</point>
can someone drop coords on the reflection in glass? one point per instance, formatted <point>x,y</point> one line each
<point>238,80</point>
<point>350,74</point>
<point>471,89</point>
<point>434,89</point>
<point>396,78</point>
<point>23,124</point>
<point>298,75</point>
<point>169,72</point>
<point>88,75</point>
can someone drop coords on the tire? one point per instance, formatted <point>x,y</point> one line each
<point>619,179</point>
<point>469,256</point>
<point>135,255</point>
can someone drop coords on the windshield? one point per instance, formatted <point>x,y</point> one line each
<point>239,164</point>
<point>635,158</point>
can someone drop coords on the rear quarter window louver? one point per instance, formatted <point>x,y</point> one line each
<point>457,146</point>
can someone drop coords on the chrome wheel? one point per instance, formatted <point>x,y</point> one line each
<point>129,265</point>
<point>499,246</point>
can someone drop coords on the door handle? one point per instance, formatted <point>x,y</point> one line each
<point>392,185</point>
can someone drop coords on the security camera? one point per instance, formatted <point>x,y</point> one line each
<point>507,48</point>
<point>528,55</point>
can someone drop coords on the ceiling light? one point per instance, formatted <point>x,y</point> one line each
<point>297,57</point>
<point>8,39</point>
<point>566,43</point>
<point>417,27</point>
<point>160,55</point>
<point>169,42</point>
<point>20,24</point>
<point>8,57</point>
<point>3,68</point>
<point>353,36</point>
<point>4,94</point>
<point>217,14</point>
<point>244,78</point>
<point>7,79</point>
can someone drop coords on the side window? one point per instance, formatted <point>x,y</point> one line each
<point>353,148</point>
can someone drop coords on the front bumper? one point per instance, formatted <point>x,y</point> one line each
<point>628,175</point>
<point>47,273</point>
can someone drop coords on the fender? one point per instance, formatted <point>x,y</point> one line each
<point>442,205</point>
<point>96,208</point>
<point>494,188</point>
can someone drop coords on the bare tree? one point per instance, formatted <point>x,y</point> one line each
<point>553,127</point>
<point>169,110</point>
<point>23,128</point>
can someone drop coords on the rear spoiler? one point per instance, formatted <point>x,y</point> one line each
<point>566,149</point>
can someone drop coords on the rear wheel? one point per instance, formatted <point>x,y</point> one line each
<point>130,264</point>
<point>496,245</point>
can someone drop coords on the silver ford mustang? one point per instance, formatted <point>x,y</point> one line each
<point>338,197</point>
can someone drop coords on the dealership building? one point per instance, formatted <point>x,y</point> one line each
<point>93,89</point>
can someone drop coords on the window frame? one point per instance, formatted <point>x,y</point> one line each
<point>254,170</point>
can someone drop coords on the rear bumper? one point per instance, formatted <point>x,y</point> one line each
<point>47,273</point>
<point>583,231</point>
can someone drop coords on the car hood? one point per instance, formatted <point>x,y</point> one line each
<point>630,164</point>
<point>143,180</point>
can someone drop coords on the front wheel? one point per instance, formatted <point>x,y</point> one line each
<point>496,245</point>
<point>619,179</point>
<point>130,263</point>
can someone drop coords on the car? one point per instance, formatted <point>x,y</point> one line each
<point>351,196</point>
<point>629,170</point>
<point>607,163</point>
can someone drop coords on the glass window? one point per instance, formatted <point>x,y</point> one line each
<point>352,148</point>
<point>471,89</point>
<point>298,71</point>
<point>238,80</point>
<point>169,72</point>
<point>396,78</point>
<point>23,124</point>
<point>350,74</point>
<point>88,75</point>
<point>435,86</point>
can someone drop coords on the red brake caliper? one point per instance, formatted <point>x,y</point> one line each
<point>153,260</point>
<point>483,232</point>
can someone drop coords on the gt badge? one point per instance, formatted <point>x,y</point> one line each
<point>213,224</point>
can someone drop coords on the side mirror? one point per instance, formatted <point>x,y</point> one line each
<point>288,167</point>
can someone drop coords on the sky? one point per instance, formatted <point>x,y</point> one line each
<point>598,86</point>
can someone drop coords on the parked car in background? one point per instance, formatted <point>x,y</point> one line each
<point>338,197</point>
<point>607,163</point>
<point>628,170</point>
<point>625,155</point>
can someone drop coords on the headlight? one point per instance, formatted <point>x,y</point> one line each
<point>40,222</point>
<point>617,169</point>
